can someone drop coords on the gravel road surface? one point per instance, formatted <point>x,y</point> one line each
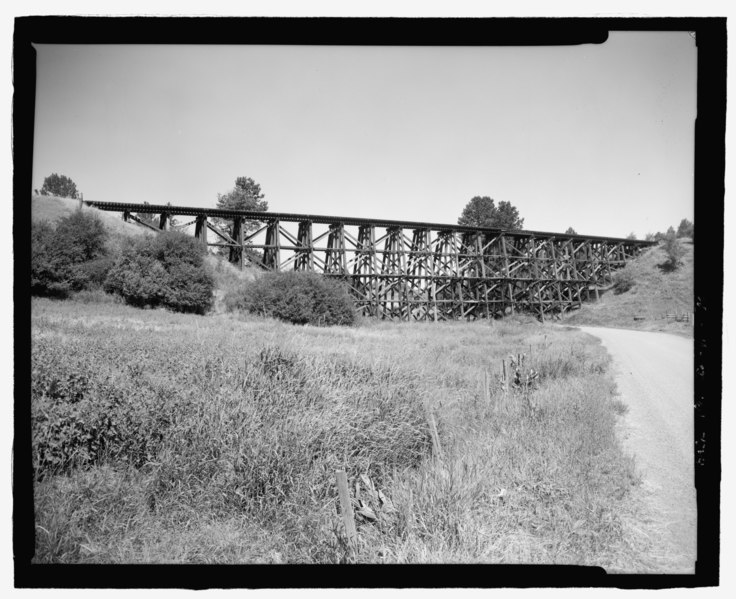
<point>654,374</point>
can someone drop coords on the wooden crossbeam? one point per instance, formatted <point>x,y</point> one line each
<point>418,271</point>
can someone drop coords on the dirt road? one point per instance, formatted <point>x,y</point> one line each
<point>654,374</point>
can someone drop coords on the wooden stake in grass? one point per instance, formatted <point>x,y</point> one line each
<point>503,368</point>
<point>437,448</point>
<point>347,510</point>
<point>486,390</point>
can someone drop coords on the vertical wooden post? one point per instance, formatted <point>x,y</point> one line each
<point>271,253</point>
<point>534,257</point>
<point>486,390</point>
<point>200,230</point>
<point>346,508</point>
<point>305,255</point>
<point>374,280</point>
<point>555,268</point>
<point>437,448</point>
<point>508,272</point>
<point>236,252</point>
<point>457,273</point>
<point>480,248</point>
<point>505,378</point>
<point>404,296</point>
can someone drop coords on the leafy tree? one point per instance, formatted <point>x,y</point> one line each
<point>674,250</point>
<point>649,237</point>
<point>571,231</point>
<point>167,269</point>
<point>631,236</point>
<point>686,228</point>
<point>507,217</point>
<point>246,195</point>
<point>59,185</point>
<point>70,257</point>
<point>483,212</point>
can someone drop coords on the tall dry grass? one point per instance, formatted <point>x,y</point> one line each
<point>218,439</point>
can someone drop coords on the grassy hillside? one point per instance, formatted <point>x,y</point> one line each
<point>52,208</point>
<point>163,437</point>
<point>656,292</point>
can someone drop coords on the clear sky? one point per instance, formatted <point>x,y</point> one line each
<point>597,137</point>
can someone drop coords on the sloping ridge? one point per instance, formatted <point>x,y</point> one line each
<point>52,208</point>
<point>656,292</point>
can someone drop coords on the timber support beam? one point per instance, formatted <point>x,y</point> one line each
<point>413,270</point>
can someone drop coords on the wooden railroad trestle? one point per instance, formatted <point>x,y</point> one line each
<point>409,270</point>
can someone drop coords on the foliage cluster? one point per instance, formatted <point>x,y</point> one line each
<point>246,195</point>
<point>482,211</point>
<point>59,185</point>
<point>69,257</point>
<point>167,270</point>
<point>623,280</point>
<point>242,431</point>
<point>80,418</point>
<point>685,229</point>
<point>296,297</point>
<point>673,250</point>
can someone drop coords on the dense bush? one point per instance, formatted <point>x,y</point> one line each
<point>623,280</point>
<point>163,270</point>
<point>70,257</point>
<point>80,417</point>
<point>297,297</point>
<point>249,430</point>
<point>673,249</point>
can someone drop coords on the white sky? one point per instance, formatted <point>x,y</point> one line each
<point>597,137</point>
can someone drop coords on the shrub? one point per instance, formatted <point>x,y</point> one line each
<point>45,272</point>
<point>80,417</point>
<point>71,257</point>
<point>164,270</point>
<point>673,249</point>
<point>296,297</point>
<point>623,280</point>
<point>685,229</point>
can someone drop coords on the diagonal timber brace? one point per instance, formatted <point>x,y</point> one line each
<point>414,270</point>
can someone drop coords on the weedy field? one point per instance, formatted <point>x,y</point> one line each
<point>171,438</point>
